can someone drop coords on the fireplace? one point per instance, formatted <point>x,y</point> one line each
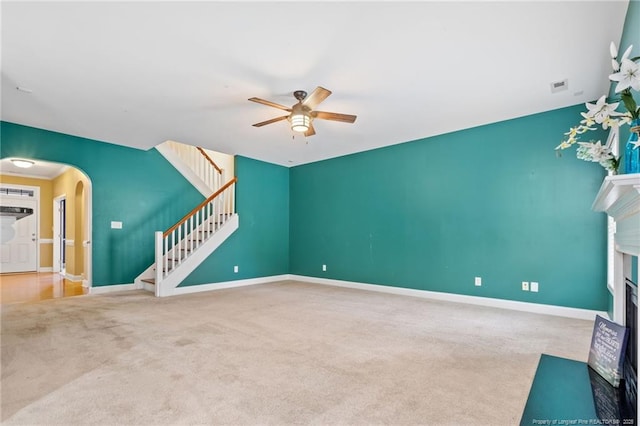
<point>630,362</point>
<point>619,197</point>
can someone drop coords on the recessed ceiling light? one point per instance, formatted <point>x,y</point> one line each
<point>23,164</point>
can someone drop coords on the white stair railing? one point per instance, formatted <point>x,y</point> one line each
<point>175,245</point>
<point>199,162</point>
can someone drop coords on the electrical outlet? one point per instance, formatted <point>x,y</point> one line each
<point>525,285</point>
<point>235,269</point>
<point>534,286</point>
<point>324,267</point>
<point>478,281</point>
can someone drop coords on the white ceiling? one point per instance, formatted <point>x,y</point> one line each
<point>140,73</point>
<point>39,170</point>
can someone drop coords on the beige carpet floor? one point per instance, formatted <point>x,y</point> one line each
<point>276,354</point>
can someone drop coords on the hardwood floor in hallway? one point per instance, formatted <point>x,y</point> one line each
<point>32,287</point>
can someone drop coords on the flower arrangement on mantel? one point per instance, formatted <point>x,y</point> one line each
<point>626,74</point>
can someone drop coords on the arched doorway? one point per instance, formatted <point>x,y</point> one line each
<point>73,229</point>
<point>63,237</point>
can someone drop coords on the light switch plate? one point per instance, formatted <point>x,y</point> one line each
<point>116,225</point>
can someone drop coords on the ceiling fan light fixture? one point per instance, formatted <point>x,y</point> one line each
<point>23,164</point>
<point>300,122</point>
<point>302,115</point>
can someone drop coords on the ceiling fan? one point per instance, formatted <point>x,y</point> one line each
<point>302,113</point>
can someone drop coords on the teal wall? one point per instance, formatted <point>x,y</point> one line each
<point>492,201</point>
<point>260,246</point>
<point>630,36</point>
<point>139,188</point>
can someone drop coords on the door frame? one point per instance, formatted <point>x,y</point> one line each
<point>36,197</point>
<point>57,261</point>
<point>87,281</point>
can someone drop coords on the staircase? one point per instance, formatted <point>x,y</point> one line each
<point>182,247</point>
<point>195,165</point>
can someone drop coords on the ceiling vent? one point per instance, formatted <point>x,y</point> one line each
<point>559,86</point>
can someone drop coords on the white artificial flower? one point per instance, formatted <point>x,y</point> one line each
<point>572,132</point>
<point>587,122</point>
<point>601,110</point>
<point>615,65</point>
<point>609,164</point>
<point>603,115</point>
<point>594,151</point>
<point>624,119</point>
<point>628,76</point>
<point>584,152</point>
<point>600,152</point>
<point>607,122</point>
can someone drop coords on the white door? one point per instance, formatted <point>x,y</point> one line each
<point>18,228</point>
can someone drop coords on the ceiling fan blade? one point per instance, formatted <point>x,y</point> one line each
<point>273,120</point>
<point>334,116</point>
<point>317,96</point>
<point>311,131</point>
<point>269,103</point>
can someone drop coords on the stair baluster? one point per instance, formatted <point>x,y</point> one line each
<point>178,243</point>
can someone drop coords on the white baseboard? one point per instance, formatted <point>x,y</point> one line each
<point>112,288</point>
<point>562,311</point>
<point>73,278</point>
<point>227,284</point>
<point>190,289</point>
<point>45,269</point>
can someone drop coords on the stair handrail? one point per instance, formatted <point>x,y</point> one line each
<point>209,159</point>
<point>200,206</point>
<point>200,163</point>
<point>193,230</point>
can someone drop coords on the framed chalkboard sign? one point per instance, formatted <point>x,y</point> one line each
<point>608,345</point>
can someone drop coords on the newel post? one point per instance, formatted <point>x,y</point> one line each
<point>158,261</point>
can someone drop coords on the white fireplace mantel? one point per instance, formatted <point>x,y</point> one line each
<point>619,197</point>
